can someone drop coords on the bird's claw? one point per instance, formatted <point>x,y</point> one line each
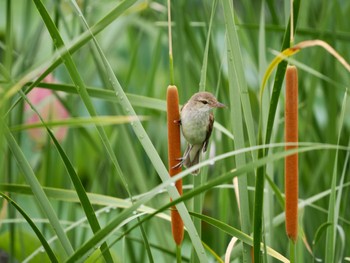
<point>181,161</point>
<point>177,122</point>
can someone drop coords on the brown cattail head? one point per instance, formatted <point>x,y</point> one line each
<point>174,154</point>
<point>174,143</point>
<point>291,161</point>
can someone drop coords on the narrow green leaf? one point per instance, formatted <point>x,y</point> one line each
<point>239,234</point>
<point>238,95</point>
<point>334,201</point>
<point>42,239</point>
<point>281,69</point>
<point>203,78</point>
<point>37,190</point>
<point>320,230</point>
<point>78,122</point>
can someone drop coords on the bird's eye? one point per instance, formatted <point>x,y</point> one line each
<point>204,101</point>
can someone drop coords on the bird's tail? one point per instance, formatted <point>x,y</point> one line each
<point>192,155</point>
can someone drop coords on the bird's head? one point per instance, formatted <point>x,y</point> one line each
<point>205,101</point>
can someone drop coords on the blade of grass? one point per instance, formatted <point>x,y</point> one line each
<point>72,196</point>
<point>279,77</point>
<point>237,127</point>
<point>78,122</point>
<point>237,63</point>
<point>109,95</point>
<point>334,203</point>
<point>8,68</point>
<point>239,234</point>
<point>199,180</point>
<point>260,175</point>
<point>37,190</point>
<point>8,59</point>
<point>180,42</point>
<point>80,223</point>
<point>203,77</point>
<point>42,239</point>
<point>238,87</point>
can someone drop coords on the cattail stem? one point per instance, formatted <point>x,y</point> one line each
<point>252,254</point>
<point>174,153</point>
<point>171,62</point>
<point>291,161</point>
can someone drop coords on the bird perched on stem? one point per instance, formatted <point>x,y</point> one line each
<point>197,124</point>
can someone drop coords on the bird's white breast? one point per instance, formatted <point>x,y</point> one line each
<point>194,125</point>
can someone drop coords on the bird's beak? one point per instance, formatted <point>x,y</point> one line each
<point>219,105</point>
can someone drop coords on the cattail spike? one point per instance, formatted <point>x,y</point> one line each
<point>291,161</point>
<point>174,154</point>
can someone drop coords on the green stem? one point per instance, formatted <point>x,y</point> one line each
<point>197,208</point>
<point>258,208</point>
<point>8,66</point>
<point>9,36</point>
<point>171,69</point>
<point>259,195</point>
<point>178,254</point>
<point>292,251</point>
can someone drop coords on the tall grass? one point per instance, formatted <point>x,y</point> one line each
<point>102,192</point>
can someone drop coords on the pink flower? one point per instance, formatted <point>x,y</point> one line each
<point>50,109</point>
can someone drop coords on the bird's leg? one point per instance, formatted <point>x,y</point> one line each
<point>182,159</point>
<point>179,164</point>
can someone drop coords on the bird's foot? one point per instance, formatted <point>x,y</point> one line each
<point>178,122</point>
<point>181,162</point>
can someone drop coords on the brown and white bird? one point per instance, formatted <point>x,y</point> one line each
<point>197,122</point>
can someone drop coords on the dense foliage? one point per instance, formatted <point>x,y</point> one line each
<point>84,157</point>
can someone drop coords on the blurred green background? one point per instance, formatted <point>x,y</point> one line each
<point>135,43</point>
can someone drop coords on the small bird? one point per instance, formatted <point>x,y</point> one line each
<point>197,124</point>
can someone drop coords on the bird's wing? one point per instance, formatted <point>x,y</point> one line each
<point>209,130</point>
<point>179,121</point>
